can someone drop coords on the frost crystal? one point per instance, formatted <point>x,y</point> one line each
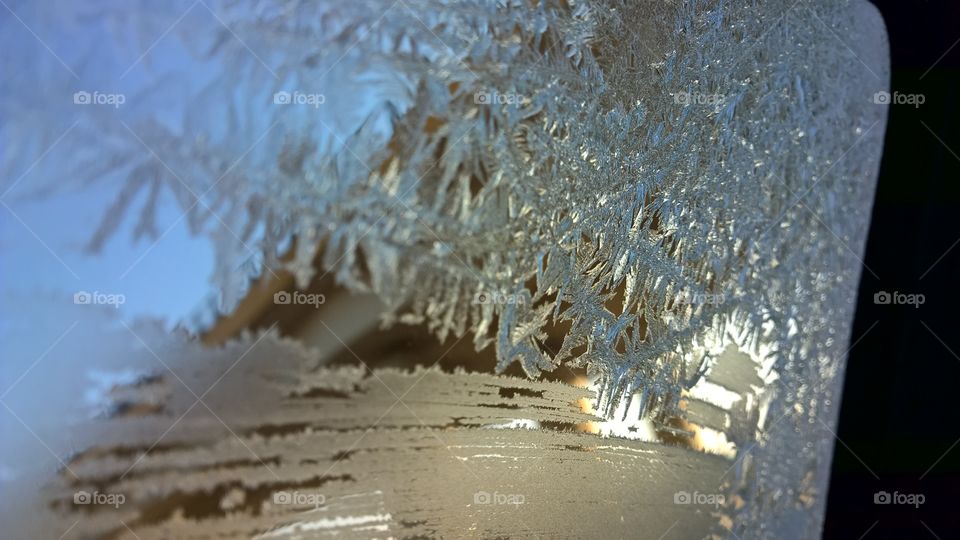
<point>647,175</point>
<point>642,173</point>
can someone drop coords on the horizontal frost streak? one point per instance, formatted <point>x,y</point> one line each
<point>396,476</point>
<point>330,523</point>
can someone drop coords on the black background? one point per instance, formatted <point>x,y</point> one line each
<point>899,424</point>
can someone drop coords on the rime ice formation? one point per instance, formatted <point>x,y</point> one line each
<point>656,176</point>
<point>282,446</point>
<point>259,438</point>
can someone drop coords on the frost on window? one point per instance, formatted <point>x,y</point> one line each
<point>645,218</point>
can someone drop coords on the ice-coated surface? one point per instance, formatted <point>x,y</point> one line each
<point>663,178</point>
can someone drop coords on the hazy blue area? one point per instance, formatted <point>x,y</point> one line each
<point>46,219</point>
<point>51,345</point>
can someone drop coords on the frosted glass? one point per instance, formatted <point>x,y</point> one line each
<point>684,188</point>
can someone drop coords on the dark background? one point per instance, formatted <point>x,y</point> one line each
<point>899,424</point>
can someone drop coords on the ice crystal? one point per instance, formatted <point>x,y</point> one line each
<point>646,174</point>
<point>599,164</point>
<point>351,460</point>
